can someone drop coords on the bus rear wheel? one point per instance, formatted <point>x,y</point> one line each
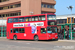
<point>15,37</point>
<point>36,38</point>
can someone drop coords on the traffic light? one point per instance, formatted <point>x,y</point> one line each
<point>69,20</point>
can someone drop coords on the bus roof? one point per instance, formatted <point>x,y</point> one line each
<point>34,15</point>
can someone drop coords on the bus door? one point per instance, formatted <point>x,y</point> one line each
<point>9,31</point>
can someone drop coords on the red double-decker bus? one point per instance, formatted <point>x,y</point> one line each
<point>32,27</point>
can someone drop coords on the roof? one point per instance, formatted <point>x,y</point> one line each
<point>64,16</point>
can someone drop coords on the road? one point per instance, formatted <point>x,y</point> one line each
<point>6,44</point>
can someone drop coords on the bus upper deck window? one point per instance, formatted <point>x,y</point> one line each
<point>51,17</point>
<point>21,19</point>
<point>10,20</point>
<point>35,18</point>
<point>41,18</point>
<point>15,20</point>
<point>27,19</point>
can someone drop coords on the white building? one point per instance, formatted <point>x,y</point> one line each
<point>63,18</point>
<point>2,22</point>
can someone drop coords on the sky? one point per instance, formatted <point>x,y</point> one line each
<point>61,7</point>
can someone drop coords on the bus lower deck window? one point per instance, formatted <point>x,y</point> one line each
<point>15,30</point>
<point>43,30</point>
<point>21,30</point>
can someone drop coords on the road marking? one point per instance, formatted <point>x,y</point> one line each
<point>27,43</point>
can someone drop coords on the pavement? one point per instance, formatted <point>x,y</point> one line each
<point>64,40</point>
<point>67,40</point>
<point>6,44</point>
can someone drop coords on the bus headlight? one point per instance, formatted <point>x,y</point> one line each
<point>55,35</point>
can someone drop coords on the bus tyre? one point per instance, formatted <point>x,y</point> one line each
<point>15,37</point>
<point>35,38</point>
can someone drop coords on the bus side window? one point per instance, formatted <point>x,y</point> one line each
<point>10,20</point>
<point>26,19</point>
<point>21,19</point>
<point>43,30</point>
<point>41,18</point>
<point>15,20</point>
<point>15,30</point>
<point>35,18</point>
<point>11,30</point>
<point>21,30</point>
<point>29,19</point>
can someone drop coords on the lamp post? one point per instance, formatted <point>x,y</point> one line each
<point>31,13</point>
<point>70,7</point>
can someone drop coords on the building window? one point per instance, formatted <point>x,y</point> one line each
<point>45,12</point>
<point>57,21</point>
<point>11,14</point>
<point>60,21</point>
<point>47,6</point>
<point>51,6</point>
<point>3,0</point>
<point>10,6</point>
<point>44,5</point>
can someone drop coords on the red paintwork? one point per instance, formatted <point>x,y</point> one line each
<point>28,33</point>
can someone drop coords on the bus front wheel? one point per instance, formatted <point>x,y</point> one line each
<point>15,37</point>
<point>36,38</point>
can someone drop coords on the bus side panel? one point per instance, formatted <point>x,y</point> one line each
<point>19,35</point>
<point>9,31</point>
<point>28,33</point>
